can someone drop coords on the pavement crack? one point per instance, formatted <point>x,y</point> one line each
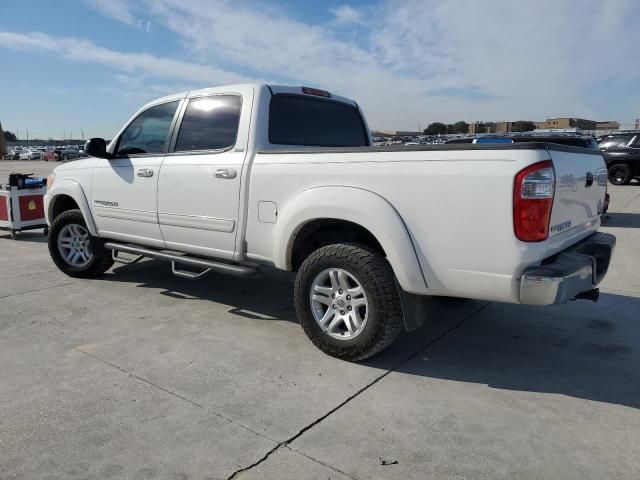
<point>257,462</point>
<point>308,427</point>
<point>298,452</point>
<point>37,289</point>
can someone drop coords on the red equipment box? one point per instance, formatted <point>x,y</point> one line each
<point>22,209</point>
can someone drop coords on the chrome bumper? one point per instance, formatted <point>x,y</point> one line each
<point>570,273</point>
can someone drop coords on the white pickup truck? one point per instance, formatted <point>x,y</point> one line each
<point>227,179</point>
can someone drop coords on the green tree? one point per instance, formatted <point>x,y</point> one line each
<point>462,126</point>
<point>9,136</point>
<point>458,127</point>
<point>436,128</point>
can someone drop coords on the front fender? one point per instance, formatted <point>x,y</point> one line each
<point>73,189</point>
<point>359,206</point>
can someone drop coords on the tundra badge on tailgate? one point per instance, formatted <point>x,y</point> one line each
<point>561,226</point>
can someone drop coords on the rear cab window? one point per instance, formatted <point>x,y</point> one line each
<point>307,121</point>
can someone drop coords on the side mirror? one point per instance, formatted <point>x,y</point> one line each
<point>96,147</point>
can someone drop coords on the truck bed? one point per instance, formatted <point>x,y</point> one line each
<point>455,200</point>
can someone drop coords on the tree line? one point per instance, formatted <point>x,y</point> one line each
<point>10,136</point>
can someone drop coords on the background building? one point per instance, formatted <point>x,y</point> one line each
<point>608,125</point>
<point>559,123</point>
<point>566,122</point>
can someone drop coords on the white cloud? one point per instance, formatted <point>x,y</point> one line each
<point>141,63</point>
<point>346,14</point>
<point>116,9</point>
<point>427,60</point>
<point>414,61</point>
<point>121,11</point>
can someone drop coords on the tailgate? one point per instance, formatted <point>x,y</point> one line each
<point>581,184</point>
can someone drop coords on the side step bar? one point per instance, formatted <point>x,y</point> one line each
<point>207,265</point>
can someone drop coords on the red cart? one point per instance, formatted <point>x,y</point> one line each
<point>22,209</point>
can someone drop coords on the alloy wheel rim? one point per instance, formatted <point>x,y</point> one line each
<point>74,245</point>
<point>618,175</point>
<point>339,303</point>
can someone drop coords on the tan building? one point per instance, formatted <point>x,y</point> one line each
<point>481,127</point>
<point>566,122</point>
<point>496,127</point>
<point>608,125</point>
<point>559,123</point>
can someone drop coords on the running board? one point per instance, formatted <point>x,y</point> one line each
<point>207,265</point>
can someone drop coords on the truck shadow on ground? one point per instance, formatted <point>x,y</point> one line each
<point>268,297</point>
<point>583,350</point>
<point>622,220</point>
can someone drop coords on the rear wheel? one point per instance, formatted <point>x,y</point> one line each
<point>619,174</point>
<point>74,250</point>
<point>347,301</point>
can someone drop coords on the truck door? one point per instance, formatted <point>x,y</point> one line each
<point>124,188</point>
<point>199,182</point>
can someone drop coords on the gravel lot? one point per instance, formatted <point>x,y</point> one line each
<point>140,374</point>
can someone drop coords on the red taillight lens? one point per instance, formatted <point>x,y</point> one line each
<point>533,192</point>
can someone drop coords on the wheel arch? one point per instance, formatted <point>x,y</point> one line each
<point>371,216</point>
<point>66,195</point>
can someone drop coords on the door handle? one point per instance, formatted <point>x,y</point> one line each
<point>589,181</point>
<point>145,172</point>
<point>226,173</point>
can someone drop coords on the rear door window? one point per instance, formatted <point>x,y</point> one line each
<point>615,142</point>
<point>209,123</point>
<point>300,120</point>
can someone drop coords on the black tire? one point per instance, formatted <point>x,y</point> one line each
<point>619,174</point>
<point>384,318</point>
<point>101,260</point>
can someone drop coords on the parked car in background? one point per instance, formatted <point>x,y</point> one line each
<point>49,156</point>
<point>65,153</point>
<point>14,154</point>
<point>31,155</point>
<point>622,155</point>
<point>226,178</point>
<point>583,141</point>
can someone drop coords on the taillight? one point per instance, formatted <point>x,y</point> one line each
<point>532,201</point>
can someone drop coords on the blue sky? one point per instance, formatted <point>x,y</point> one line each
<point>73,65</point>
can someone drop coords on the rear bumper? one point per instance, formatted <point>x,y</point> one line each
<point>566,275</point>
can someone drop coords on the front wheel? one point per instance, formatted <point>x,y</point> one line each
<point>347,301</point>
<point>74,250</point>
<point>619,174</point>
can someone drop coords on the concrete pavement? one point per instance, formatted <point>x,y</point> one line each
<point>140,374</point>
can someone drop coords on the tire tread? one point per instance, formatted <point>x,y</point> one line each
<point>100,264</point>
<point>386,298</point>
